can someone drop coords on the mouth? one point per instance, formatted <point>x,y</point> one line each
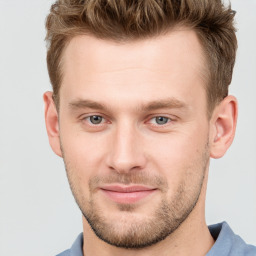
<point>127,194</point>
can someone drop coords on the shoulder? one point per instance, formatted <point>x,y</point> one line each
<point>227,243</point>
<point>65,253</point>
<point>76,248</point>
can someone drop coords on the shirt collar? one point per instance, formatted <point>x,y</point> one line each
<point>77,247</point>
<point>221,233</point>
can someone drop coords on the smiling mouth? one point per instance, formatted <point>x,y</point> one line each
<point>127,194</point>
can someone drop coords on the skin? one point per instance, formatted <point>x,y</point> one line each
<point>130,85</point>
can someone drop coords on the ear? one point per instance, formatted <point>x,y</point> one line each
<point>223,126</point>
<point>52,124</point>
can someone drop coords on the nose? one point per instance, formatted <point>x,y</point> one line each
<point>126,153</point>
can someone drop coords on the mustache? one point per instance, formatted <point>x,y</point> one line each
<point>135,178</point>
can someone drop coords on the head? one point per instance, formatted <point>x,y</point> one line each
<point>126,21</point>
<point>139,106</point>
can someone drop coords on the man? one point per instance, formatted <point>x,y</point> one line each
<point>139,105</point>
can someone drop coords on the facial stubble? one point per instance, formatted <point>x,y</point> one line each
<point>129,232</point>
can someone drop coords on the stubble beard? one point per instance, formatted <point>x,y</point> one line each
<point>131,233</point>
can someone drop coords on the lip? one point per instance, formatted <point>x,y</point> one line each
<point>127,194</point>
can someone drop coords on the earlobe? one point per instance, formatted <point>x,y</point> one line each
<point>51,122</point>
<point>223,126</point>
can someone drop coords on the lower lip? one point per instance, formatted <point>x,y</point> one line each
<point>129,197</point>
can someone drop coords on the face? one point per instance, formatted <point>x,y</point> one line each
<point>134,134</point>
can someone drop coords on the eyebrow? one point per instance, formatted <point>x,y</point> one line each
<point>164,103</point>
<point>145,107</point>
<point>80,104</point>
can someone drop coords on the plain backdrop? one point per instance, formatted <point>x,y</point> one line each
<point>38,215</point>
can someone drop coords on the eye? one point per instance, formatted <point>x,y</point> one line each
<point>95,119</point>
<point>160,120</point>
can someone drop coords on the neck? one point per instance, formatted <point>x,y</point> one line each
<point>191,238</point>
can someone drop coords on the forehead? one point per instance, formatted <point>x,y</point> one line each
<point>100,53</point>
<point>145,67</point>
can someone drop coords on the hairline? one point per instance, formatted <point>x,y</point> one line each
<point>204,73</point>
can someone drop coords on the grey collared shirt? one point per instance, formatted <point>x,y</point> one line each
<point>226,243</point>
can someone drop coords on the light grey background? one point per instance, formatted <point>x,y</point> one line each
<point>38,215</point>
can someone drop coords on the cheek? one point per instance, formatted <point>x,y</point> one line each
<point>83,153</point>
<point>180,154</point>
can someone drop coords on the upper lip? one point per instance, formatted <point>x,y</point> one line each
<point>126,189</point>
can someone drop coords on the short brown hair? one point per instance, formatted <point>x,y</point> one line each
<point>124,20</point>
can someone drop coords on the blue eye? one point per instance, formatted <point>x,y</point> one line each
<point>160,120</point>
<point>95,119</point>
